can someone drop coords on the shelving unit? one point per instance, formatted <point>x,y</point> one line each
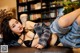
<point>38,10</point>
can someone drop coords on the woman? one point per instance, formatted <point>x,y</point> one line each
<point>37,35</point>
<point>67,28</point>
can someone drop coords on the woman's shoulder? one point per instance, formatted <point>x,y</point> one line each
<point>30,22</point>
<point>30,25</point>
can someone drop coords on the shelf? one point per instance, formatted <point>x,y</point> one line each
<point>27,3</point>
<point>26,12</point>
<point>33,2</point>
<point>23,4</point>
<point>48,0</point>
<point>57,7</point>
<point>32,8</point>
<point>40,10</point>
<point>45,9</point>
<point>34,11</point>
<point>43,19</point>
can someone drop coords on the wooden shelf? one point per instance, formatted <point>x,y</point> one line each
<point>46,8</point>
<point>33,2</point>
<point>41,10</point>
<point>43,19</point>
<point>26,12</point>
<point>57,7</point>
<point>23,4</point>
<point>48,0</point>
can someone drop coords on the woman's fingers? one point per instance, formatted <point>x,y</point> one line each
<point>39,46</point>
<point>36,45</point>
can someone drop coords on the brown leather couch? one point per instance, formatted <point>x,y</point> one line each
<point>34,50</point>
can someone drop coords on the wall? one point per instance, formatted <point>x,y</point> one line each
<point>5,4</point>
<point>8,4</point>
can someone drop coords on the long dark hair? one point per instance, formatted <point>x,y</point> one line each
<point>5,29</point>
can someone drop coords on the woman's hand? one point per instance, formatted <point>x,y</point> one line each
<point>39,46</point>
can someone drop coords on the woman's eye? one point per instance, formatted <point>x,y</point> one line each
<point>13,26</point>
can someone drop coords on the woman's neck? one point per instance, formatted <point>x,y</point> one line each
<point>19,34</point>
<point>23,32</point>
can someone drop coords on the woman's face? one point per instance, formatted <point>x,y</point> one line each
<point>15,26</point>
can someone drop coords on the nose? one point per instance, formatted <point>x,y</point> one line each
<point>18,25</point>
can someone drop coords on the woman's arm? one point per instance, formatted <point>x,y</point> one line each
<point>69,18</point>
<point>29,25</point>
<point>44,34</point>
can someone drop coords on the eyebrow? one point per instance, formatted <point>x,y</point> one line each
<point>13,23</point>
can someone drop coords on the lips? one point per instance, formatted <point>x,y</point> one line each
<point>21,28</point>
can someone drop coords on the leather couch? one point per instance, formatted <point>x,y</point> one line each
<point>34,50</point>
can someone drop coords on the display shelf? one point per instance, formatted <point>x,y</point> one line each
<point>46,8</point>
